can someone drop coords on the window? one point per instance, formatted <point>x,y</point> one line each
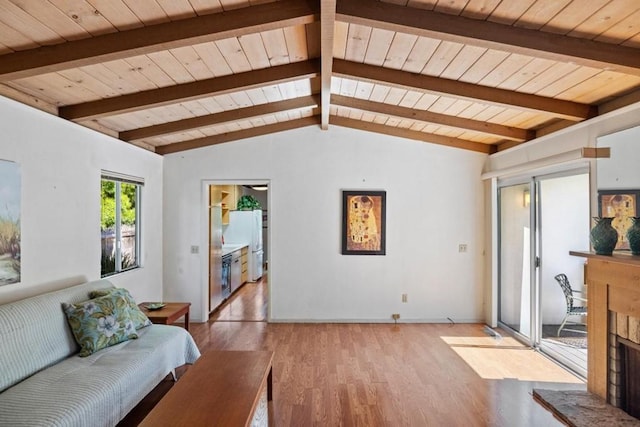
<point>119,223</point>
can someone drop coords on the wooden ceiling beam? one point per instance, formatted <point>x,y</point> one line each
<point>159,37</point>
<point>234,136</point>
<point>190,91</point>
<point>412,134</point>
<point>490,35</point>
<point>218,118</point>
<point>508,132</point>
<point>327,27</point>
<point>619,102</point>
<point>476,93</point>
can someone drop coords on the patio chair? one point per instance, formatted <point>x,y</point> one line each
<point>572,309</point>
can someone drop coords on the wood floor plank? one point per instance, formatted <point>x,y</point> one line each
<point>386,374</point>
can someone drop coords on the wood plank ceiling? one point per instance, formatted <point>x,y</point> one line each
<point>172,75</point>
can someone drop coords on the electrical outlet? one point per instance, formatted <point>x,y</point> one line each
<point>195,249</point>
<point>462,247</point>
<point>404,297</point>
<point>395,316</point>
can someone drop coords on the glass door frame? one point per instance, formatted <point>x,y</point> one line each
<point>535,206</point>
<point>529,340</point>
<point>539,225</point>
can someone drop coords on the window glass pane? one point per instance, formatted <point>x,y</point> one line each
<point>108,227</point>
<point>120,228</point>
<point>128,197</point>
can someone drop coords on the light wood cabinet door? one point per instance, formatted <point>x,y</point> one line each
<point>245,264</point>
<point>229,195</point>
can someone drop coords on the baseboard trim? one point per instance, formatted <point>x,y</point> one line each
<point>390,321</point>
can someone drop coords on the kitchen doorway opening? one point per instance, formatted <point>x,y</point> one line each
<point>237,285</point>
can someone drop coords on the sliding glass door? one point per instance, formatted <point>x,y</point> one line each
<point>563,226</point>
<point>515,258</point>
<point>541,219</point>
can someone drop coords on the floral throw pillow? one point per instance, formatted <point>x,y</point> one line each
<point>100,322</point>
<point>140,320</point>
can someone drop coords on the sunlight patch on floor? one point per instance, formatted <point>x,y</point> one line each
<point>506,358</point>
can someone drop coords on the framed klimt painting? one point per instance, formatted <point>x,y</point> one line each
<point>621,205</point>
<point>363,222</point>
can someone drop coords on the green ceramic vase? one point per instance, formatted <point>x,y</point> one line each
<point>633,236</point>
<point>603,236</point>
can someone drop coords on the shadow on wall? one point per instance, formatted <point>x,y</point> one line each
<point>19,291</point>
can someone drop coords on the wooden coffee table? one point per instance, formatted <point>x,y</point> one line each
<point>168,314</point>
<point>222,388</point>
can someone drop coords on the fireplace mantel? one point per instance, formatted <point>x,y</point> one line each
<point>613,285</point>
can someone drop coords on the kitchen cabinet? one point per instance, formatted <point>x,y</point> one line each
<point>244,256</point>
<point>236,270</point>
<point>238,264</point>
<point>229,199</point>
<point>225,200</point>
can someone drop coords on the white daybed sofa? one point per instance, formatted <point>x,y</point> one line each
<point>43,381</point>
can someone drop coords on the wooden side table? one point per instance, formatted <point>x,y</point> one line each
<point>168,314</point>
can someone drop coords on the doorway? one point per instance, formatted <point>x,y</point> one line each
<point>238,242</point>
<point>541,219</point>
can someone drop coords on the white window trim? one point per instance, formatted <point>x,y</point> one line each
<point>119,178</point>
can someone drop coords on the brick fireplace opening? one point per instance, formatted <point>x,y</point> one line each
<point>630,401</point>
<point>624,363</point>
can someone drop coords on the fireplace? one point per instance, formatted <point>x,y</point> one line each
<point>624,363</point>
<point>630,366</point>
<point>614,329</point>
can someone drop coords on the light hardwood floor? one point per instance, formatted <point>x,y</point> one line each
<point>386,374</point>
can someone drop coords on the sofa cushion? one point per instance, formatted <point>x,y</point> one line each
<point>100,322</point>
<point>140,320</point>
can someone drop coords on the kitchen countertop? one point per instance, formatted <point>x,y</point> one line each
<point>232,247</point>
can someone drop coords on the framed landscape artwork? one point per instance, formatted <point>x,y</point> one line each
<point>9,222</point>
<point>363,222</point>
<point>620,205</point>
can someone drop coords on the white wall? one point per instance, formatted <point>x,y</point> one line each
<point>60,166</point>
<point>622,170</point>
<point>434,202</point>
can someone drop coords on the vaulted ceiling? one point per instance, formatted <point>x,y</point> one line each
<point>172,75</point>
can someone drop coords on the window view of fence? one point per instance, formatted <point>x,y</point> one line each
<point>119,226</point>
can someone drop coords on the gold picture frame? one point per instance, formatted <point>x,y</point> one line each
<point>363,222</point>
<point>621,205</point>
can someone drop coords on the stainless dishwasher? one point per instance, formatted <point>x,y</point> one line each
<point>226,276</point>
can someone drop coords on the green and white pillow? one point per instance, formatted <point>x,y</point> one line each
<point>100,322</point>
<point>140,320</point>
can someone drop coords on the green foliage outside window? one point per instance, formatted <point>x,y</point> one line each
<point>108,207</point>
<point>119,230</point>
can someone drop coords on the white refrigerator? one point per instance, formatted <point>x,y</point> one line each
<point>245,227</point>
